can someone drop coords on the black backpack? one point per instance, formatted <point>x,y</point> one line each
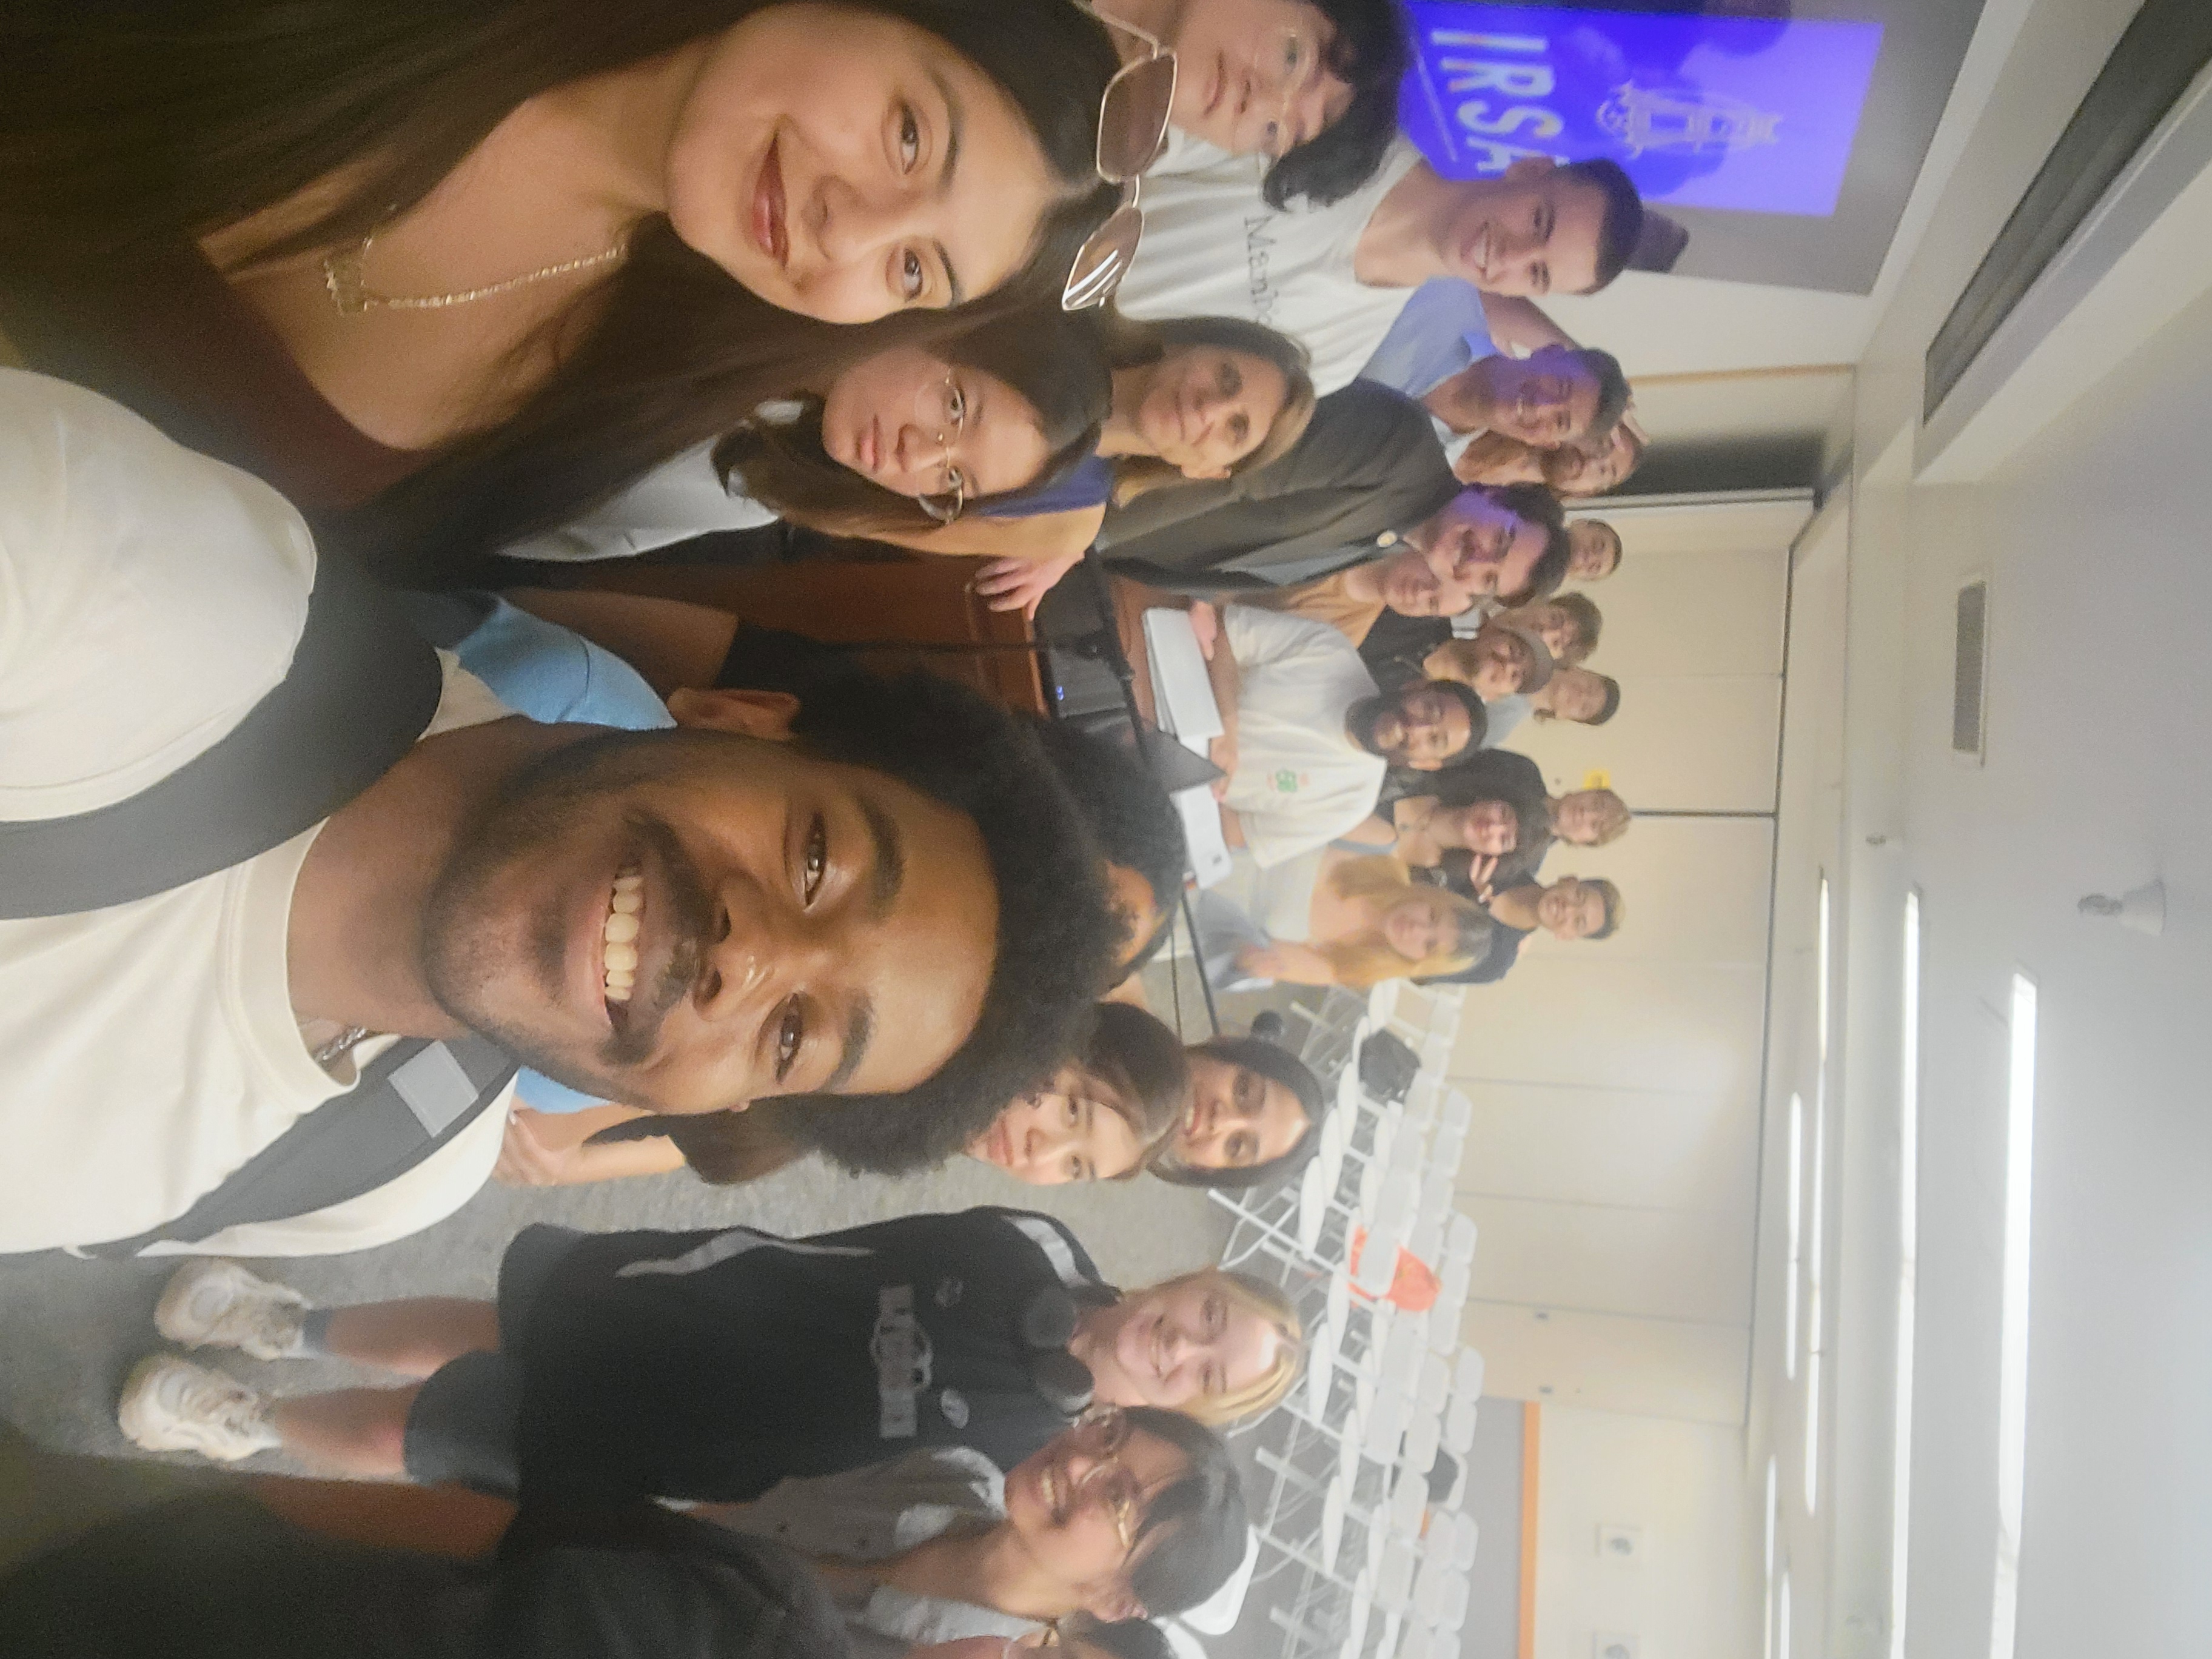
<point>362,686</point>
<point>1387,1065</point>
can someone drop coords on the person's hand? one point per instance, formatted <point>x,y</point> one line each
<point>1019,584</point>
<point>1222,751</point>
<point>1205,624</point>
<point>526,1161</point>
<point>1479,870</point>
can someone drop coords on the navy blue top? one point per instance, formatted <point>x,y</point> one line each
<point>1089,482</point>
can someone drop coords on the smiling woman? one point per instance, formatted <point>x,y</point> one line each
<point>527,223</point>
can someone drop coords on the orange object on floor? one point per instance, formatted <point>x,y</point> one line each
<point>1413,1282</point>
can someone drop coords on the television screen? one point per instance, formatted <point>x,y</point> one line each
<point>1782,136</point>
<point>1750,114</point>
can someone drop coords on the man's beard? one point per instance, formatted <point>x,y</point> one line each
<point>1359,722</point>
<point>464,950</point>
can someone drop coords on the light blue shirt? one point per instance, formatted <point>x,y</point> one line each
<point>1502,717</point>
<point>554,674</point>
<point>1442,329</point>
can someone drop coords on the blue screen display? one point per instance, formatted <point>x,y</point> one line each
<point>1751,114</point>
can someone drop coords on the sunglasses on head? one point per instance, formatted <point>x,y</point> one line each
<point>1133,129</point>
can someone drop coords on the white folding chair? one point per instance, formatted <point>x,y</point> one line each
<point>1459,1425</point>
<point>1466,1373</point>
<point>1456,1111</point>
<point>1440,1592</point>
<point>1460,1234</point>
<point>1394,1583</point>
<point>1466,1535</point>
<point>1434,1387</point>
<point>1425,1431</point>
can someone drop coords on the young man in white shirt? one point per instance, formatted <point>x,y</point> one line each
<point>842,899</point>
<point>1311,86</point>
<point>1334,278</point>
<point>1308,738</point>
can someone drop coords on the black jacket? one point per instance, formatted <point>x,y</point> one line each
<point>713,1364</point>
<point>1369,466</point>
<point>220,1577</point>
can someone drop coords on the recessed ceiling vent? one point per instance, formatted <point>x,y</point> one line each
<point>1969,719</point>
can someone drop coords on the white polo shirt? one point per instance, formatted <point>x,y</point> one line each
<point>1213,247</point>
<point>148,598</point>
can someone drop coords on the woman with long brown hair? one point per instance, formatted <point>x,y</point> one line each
<point>526,249</point>
<point>1197,399</point>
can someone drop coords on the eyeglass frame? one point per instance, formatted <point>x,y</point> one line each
<point>930,503</point>
<point>1114,1421</point>
<point>1131,183</point>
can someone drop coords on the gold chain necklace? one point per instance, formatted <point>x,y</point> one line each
<point>342,275</point>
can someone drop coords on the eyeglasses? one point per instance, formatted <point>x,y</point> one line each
<point>952,499</point>
<point>1133,129</point>
<point>1103,1433</point>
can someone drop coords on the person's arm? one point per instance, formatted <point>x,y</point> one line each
<point>1492,459</point>
<point>1043,537</point>
<point>549,1149</point>
<point>1370,832</point>
<point>1520,326</point>
<point>1233,827</point>
<point>1021,584</point>
<point>1222,676</point>
<point>1287,965</point>
<point>673,644</point>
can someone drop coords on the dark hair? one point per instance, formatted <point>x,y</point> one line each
<point>1053,358</point>
<point>128,138</point>
<point>1478,717</point>
<point>1055,931</point>
<point>1588,620</point>
<point>1611,705</point>
<point>1622,227</point>
<point>1118,1638</point>
<point>1142,1061</point>
<point>1201,1519</point>
<point>1611,894</point>
<point>1471,935</point>
<point>1371,54</point>
<point>1550,567</point>
<point>1531,502</point>
<point>1611,391</point>
<point>1136,823</point>
<point>1276,1066</point>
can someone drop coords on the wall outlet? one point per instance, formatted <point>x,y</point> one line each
<point>1618,1543</point>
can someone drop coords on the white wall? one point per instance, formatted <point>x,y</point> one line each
<point>1692,1591</point>
<point>1613,1161</point>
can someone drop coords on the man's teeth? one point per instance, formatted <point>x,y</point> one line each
<point>624,907</point>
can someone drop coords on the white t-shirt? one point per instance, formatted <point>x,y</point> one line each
<point>1213,247</point>
<point>678,500</point>
<point>148,598</point>
<point>1300,782</point>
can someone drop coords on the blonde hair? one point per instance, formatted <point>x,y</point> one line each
<point>1616,820</point>
<point>1359,965</point>
<point>1255,1295</point>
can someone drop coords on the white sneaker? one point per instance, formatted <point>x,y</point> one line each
<point>172,1405</point>
<point>218,1304</point>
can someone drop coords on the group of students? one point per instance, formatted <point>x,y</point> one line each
<point>323,899</point>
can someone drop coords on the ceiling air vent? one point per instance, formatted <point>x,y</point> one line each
<point>1970,667</point>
